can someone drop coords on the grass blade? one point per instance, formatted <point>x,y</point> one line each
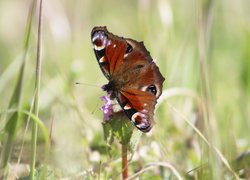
<point>39,123</point>
<point>37,92</point>
<point>16,98</point>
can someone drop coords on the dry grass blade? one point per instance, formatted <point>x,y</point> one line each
<point>222,158</point>
<point>25,131</point>
<point>156,164</point>
<point>37,91</point>
<point>178,91</point>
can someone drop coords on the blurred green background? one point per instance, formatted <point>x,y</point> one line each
<point>202,48</point>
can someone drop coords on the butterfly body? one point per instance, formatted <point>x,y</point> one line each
<point>134,79</point>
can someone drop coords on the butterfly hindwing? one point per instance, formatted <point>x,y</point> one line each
<point>138,98</point>
<point>138,106</point>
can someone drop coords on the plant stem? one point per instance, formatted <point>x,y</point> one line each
<point>37,92</point>
<point>124,161</point>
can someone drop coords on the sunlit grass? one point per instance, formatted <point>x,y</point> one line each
<point>202,49</point>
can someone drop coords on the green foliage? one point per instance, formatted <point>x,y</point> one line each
<point>242,164</point>
<point>245,69</point>
<point>40,176</point>
<point>119,127</point>
<point>15,101</point>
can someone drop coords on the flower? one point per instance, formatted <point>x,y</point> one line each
<point>107,108</point>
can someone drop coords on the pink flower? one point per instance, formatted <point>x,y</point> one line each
<point>107,108</point>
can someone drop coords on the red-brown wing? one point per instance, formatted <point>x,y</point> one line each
<point>109,50</point>
<point>139,107</point>
<point>139,97</point>
<point>117,55</point>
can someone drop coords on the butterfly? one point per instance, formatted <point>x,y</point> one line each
<point>134,79</point>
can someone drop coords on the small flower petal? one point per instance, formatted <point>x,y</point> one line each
<point>107,108</point>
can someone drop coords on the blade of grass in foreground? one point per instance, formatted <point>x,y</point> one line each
<point>15,101</point>
<point>44,131</point>
<point>37,92</point>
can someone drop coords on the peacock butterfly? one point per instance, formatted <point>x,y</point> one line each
<point>134,79</point>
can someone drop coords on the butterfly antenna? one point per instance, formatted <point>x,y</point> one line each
<point>86,84</point>
<point>93,85</point>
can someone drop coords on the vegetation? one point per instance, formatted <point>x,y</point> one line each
<point>50,126</point>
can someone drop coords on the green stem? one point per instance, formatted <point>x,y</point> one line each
<point>124,161</point>
<point>37,92</point>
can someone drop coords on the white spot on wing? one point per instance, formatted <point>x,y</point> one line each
<point>98,48</point>
<point>144,88</point>
<point>94,38</point>
<point>125,55</point>
<point>127,107</point>
<point>101,60</point>
<point>157,90</point>
<point>135,115</point>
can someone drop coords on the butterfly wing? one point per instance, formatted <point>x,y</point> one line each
<point>139,107</point>
<point>109,50</point>
<point>133,76</point>
<point>138,98</point>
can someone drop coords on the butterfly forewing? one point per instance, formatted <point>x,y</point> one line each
<point>109,50</point>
